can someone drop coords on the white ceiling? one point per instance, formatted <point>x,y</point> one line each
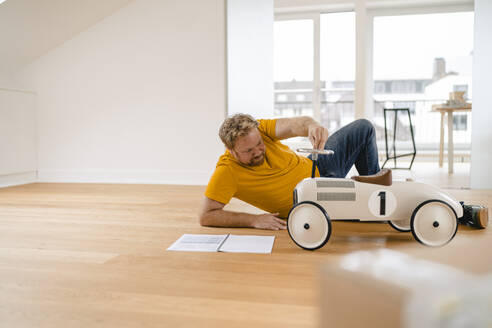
<point>31,28</point>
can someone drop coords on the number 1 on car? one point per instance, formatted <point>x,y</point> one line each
<point>382,203</point>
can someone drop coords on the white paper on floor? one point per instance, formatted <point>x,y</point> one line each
<point>223,243</point>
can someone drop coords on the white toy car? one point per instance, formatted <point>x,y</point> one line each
<point>428,212</point>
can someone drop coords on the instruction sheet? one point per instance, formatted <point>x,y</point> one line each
<point>224,243</point>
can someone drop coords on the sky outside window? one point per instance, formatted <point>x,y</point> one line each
<point>293,50</point>
<point>337,33</point>
<point>405,46</point>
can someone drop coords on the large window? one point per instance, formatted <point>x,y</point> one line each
<point>418,61</point>
<point>314,76</point>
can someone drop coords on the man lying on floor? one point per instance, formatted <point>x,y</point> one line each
<point>258,169</point>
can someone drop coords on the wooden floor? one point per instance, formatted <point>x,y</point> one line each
<point>430,172</point>
<point>94,255</point>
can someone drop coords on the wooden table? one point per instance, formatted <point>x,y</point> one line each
<point>443,109</point>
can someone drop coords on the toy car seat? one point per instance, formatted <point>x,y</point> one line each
<point>383,177</point>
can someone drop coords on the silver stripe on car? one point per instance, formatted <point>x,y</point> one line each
<point>335,184</point>
<point>336,196</point>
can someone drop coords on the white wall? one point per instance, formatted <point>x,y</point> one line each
<point>250,57</point>
<point>18,151</point>
<point>5,80</point>
<point>481,157</point>
<point>136,98</point>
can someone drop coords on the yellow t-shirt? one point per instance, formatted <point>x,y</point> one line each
<point>268,186</point>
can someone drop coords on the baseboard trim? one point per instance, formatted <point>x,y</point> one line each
<point>179,177</point>
<point>17,179</point>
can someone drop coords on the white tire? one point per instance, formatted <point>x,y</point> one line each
<point>309,225</point>
<point>401,225</point>
<point>434,223</point>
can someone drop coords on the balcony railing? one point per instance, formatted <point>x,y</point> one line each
<point>426,124</point>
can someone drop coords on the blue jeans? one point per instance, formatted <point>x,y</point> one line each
<point>355,143</point>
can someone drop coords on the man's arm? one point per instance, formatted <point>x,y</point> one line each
<point>213,215</point>
<point>303,126</point>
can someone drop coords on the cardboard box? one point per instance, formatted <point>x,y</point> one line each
<point>422,287</point>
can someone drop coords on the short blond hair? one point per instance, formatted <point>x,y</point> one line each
<point>236,126</point>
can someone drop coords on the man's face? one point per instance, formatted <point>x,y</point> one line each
<point>249,149</point>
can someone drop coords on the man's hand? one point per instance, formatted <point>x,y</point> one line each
<point>269,222</point>
<point>303,126</point>
<point>318,135</point>
<point>213,215</point>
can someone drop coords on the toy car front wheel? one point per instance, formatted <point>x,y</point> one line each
<point>309,225</point>
<point>434,223</point>
<point>401,225</point>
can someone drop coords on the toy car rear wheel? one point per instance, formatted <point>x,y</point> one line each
<point>309,225</point>
<point>434,223</point>
<point>401,225</point>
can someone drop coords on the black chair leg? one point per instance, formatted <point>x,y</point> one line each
<point>394,156</point>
